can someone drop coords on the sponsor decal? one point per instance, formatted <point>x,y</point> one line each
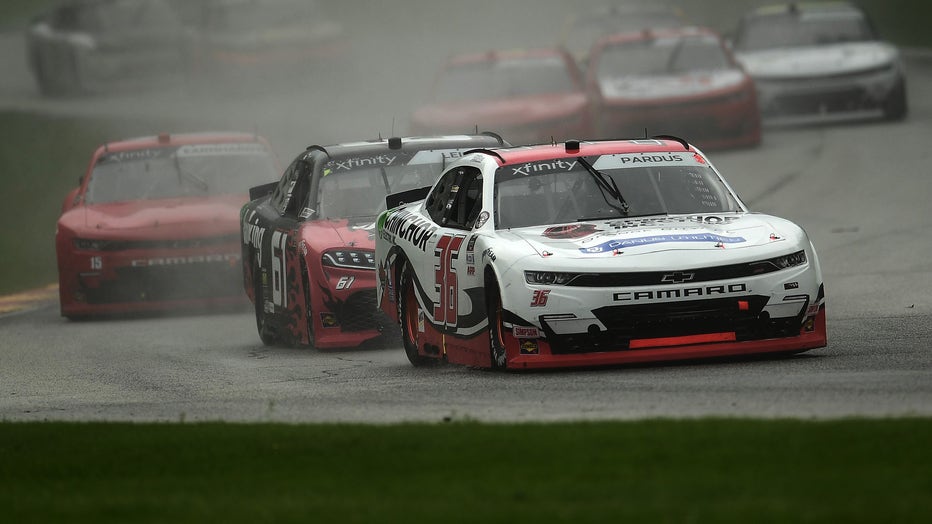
<point>689,292</point>
<point>230,258</point>
<point>525,332</point>
<point>483,218</point>
<point>677,277</point>
<point>649,159</point>
<point>711,220</point>
<point>530,347</point>
<point>539,299</point>
<point>349,164</point>
<point>328,320</point>
<point>470,271</point>
<point>471,244</point>
<point>404,225</point>
<point>791,285</point>
<point>221,149</point>
<point>543,167</point>
<point>136,155</point>
<point>613,245</point>
<point>488,253</point>
<point>420,321</point>
<point>570,231</point>
<point>471,258</point>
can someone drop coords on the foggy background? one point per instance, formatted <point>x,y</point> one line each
<point>392,53</point>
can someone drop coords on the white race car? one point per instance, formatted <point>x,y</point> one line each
<point>592,253</point>
<point>820,62</point>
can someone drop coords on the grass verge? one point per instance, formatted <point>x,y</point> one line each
<point>648,471</point>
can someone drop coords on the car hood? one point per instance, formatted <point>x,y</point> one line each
<point>176,217</point>
<point>655,242</point>
<point>320,235</point>
<point>500,113</point>
<point>663,87</point>
<point>823,60</point>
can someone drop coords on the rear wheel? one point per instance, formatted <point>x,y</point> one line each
<point>496,331</point>
<point>408,315</point>
<point>266,333</point>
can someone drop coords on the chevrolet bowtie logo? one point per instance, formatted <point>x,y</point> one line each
<point>677,278</point>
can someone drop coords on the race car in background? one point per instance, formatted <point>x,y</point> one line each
<point>680,81</point>
<point>82,46</point>
<point>593,253</point>
<point>308,239</point>
<point>154,223</point>
<point>251,40</point>
<point>820,62</point>
<point>529,96</point>
<point>582,29</point>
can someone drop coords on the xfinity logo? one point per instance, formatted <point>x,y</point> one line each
<point>677,277</point>
<point>538,167</point>
<point>353,163</point>
<point>661,294</point>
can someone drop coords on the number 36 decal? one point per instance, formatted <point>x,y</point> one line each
<point>447,250</point>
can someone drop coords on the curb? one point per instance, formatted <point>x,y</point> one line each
<point>31,299</point>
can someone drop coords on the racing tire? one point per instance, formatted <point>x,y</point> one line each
<point>497,353</point>
<point>408,318</point>
<point>895,106</point>
<point>266,333</point>
<point>308,311</point>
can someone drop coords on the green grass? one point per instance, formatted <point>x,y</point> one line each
<point>649,471</point>
<point>41,159</point>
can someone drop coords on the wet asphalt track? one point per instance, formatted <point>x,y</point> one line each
<point>862,191</point>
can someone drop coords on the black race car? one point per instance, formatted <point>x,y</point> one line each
<point>309,240</point>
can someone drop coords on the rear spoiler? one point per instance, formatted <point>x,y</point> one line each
<point>412,195</point>
<point>261,191</point>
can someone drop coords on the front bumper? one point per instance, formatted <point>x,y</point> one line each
<point>827,98</point>
<point>805,340</point>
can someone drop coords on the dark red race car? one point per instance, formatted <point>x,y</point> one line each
<point>154,224</point>
<point>529,96</point>
<point>309,239</point>
<point>681,81</point>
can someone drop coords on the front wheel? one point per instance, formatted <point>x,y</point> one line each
<point>408,318</point>
<point>497,353</point>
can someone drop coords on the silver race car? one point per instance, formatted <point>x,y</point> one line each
<point>820,62</point>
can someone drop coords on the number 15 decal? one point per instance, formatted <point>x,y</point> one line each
<point>447,250</point>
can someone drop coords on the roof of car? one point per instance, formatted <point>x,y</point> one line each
<point>408,144</point>
<point>180,139</point>
<point>652,34</point>
<point>519,155</point>
<point>805,7</point>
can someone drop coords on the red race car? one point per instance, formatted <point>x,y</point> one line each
<point>681,81</point>
<point>154,223</point>
<point>309,239</point>
<point>529,96</point>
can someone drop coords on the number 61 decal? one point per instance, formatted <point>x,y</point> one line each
<point>279,295</point>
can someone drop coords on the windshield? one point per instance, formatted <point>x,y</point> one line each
<point>251,14</point>
<point>361,192</point>
<point>588,29</point>
<point>507,78</point>
<point>195,170</point>
<point>662,56</point>
<point>801,30</point>
<point>563,191</point>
